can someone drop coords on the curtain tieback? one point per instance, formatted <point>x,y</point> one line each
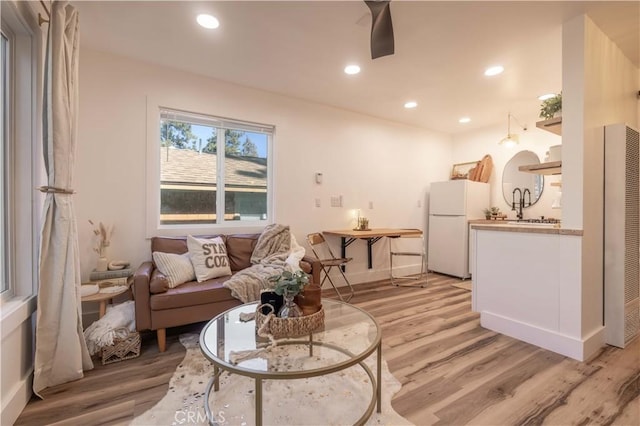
<point>54,190</point>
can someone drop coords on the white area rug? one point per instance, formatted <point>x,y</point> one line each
<point>336,399</point>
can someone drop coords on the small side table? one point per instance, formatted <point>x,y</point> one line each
<point>103,298</point>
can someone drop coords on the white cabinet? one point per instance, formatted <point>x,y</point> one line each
<point>528,286</point>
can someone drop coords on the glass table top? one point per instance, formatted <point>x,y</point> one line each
<point>349,334</point>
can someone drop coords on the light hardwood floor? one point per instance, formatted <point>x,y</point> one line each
<point>453,372</point>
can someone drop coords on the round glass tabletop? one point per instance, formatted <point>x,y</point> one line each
<point>348,336</point>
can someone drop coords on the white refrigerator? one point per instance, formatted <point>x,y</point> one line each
<point>451,205</point>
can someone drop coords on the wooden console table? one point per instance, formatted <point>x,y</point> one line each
<point>347,236</point>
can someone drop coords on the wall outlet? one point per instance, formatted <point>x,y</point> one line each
<point>370,204</point>
<point>318,203</point>
<point>336,201</point>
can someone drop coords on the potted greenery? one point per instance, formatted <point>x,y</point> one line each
<point>288,285</point>
<point>551,107</point>
<point>491,212</point>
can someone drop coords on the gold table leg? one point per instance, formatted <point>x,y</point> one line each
<point>207,395</point>
<point>216,375</point>
<point>379,378</point>
<point>258,402</point>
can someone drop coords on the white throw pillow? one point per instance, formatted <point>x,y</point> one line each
<point>209,257</point>
<point>176,267</point>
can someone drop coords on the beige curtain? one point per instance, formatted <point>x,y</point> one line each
<point>61,352</point>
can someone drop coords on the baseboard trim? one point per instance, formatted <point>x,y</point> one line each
<point>16,400</point>
<point>576,348</point>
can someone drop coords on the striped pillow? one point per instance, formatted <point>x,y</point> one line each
<point>176,267</point>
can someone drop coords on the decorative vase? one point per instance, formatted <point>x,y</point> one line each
<point>102,264</point>
<point>289,309</point>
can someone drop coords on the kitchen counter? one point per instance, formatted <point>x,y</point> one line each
<point>488,221</point>
<point>527,284</point>
<point>505,226</point>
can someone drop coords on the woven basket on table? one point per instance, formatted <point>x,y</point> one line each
<point>289,327</point>
<point>122,348</point>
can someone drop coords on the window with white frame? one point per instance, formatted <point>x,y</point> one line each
<point>19,155</point>
<point>213,171</point>
<point>4,130</point>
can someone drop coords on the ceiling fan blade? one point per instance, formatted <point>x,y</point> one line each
<point>381,28</point>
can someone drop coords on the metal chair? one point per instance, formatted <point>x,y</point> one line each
<point>328,261</point>
<point>405,280</point>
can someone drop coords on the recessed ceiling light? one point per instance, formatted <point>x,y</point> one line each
<point>545,97</point>
<point>410,104</point>
<point>352,69</point>
<point>464,120</point>
<point>494,70</point>
<point>208,21</point>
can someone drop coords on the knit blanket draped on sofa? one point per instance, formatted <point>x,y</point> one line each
<point>275,251</point>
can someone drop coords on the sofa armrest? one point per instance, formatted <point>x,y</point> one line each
<point>141,279</point>
<point>316,267</point>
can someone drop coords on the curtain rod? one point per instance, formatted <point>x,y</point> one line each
<point>42,20</point>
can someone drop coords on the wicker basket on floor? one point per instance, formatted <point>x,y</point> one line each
<point>122,348</point>
<point>289,327</point>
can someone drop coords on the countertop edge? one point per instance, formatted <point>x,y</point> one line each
<point>526,229</point>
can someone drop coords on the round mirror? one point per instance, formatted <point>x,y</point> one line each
<point>513,179</point>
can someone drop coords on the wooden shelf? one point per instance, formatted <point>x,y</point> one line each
<point>549,168</point>
<point>553,125</point>
<point>556,184</point>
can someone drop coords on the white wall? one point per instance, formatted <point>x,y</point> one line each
<point>362,158</point>
<point>600,88</point>
<point>473,145</point>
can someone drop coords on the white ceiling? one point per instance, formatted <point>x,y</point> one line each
<point>299,48</point>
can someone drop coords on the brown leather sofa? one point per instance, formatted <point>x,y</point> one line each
<point>159,307</point>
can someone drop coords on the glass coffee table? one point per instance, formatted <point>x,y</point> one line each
<point>227,336</point>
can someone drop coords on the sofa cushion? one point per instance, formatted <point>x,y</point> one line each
<point>191,294</point>
<point>176,267</point>
<point>239,250</point>
<point>209,257</point>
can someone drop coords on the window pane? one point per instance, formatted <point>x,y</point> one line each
<point>245,179</point>
<point>4,249</point>
<point>187,173</point>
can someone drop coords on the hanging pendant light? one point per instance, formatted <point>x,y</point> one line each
<point>512,139</point>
